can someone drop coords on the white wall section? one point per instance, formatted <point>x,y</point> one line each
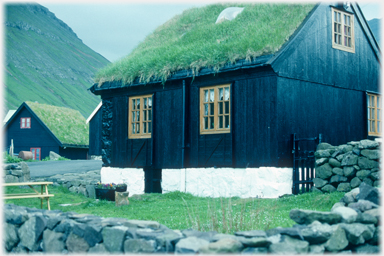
<point>133,177</point>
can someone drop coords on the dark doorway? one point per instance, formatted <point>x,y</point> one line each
<point>152,180</point>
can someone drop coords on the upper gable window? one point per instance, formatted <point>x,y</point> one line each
<point>140,117</point>
<point>343,36</point>
<point>374,114</point>
<point>25,123</point>
<point>215,104</point>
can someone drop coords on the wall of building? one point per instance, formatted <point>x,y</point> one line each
<point>265,182</point>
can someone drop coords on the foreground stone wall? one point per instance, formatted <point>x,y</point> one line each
<point>16,172</point>
<point>345,167</point>
<point>351,226</point>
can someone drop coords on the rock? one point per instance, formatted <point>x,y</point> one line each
<point>82,190</point>
<point>376,236</point>
<point>11,179</point>
<point>91,234</point>
<point>367,249</point>
<point>98,248</point>
<point>142,224</point>
<point>344,187</point>
<point>114,237</point>
<point>53,156</point>
<point>251,234</point>
<point>10,237</point>
<point>375,213</point>
<point>368,144</point>
<point>374,176</point>
<point>307,216</point>
<point>190,245</point>
<point>345,148</point>
<point>355,182</point>
<point>349,171</point>
<point>26,171</point>
<point>91,191</point>
<point>321,161</point>
<point>349,159</point>
<point>16,172</point>
<point>316,190</point>
<point>365,163</point>
<point>294,232</point>
<point>289,245</point>
<point>328,188</point>
<point>76,244</point>
<point>362,174</point>
<point>15,217</point>
<point>319,183</point>
<point>371,154</point>
<point>368,193</point>
<point>358,233</point>
<point>316,249</point>
<point>73,189</point>
<point>366,218</point>
<point>317,233</point>
<point>348,215</point>
<point>338,171</point>
<point>254,241</point>
<point>121,198</point>
<point>53,242</point>
<point>368,181</point>
<point>338,240</point>
<point>222,246</point>
<point>252,250</point>
<point>376,183</point>
<point>350,197</point>
<point>324,146</point>
<point>30,232</point>
<point>338,179</point>
<point>324,171</point>
<point>338,204</point>
<point>139,246</point>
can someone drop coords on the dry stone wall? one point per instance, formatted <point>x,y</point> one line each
<point>16,172</point>
<point>345,167</point>
<point>352,226</point>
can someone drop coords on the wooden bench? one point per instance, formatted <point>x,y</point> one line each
<point>42,195</point>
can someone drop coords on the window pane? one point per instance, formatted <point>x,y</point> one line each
<point>226,121</point>
<point>138,103</point>
<point>211,95</point>
<point>206,123</point>
<point>226,97</point>
<point>150,102</point>
<point>211,122</point>
<point>369,126</point>
<point>137,127</point>
<point>145,103</point>
<point>205,109</point>
<point>226,111</point>
<point>378,114</point>
<point>211,109</point>
<point>138,115</point>
<point>378,126</point>
<point>144,127</point>
<point>134,116</point>
<point>149,115</point>
<point>134,104</point>
<point>221,94</point>
<point>205,95</point>
<point>149,127</point>
<point>373,126</point>
<point>145,115</point>
<point>220,108</point>
<point>348,20</point>
<point>220,121</point>
<point>339,17</point>
<point>373,113</point>
<point>345,19</point>
<point>133,128</point>
<point>369,113</point>
<point>335,27</point>
<point>378,102</point>
<point>335,16</point>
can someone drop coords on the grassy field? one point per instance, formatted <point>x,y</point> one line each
<point>178,210</point>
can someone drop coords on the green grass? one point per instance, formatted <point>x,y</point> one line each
<point>192,40</point>
<point>178,210</point>
<point>68,125</point>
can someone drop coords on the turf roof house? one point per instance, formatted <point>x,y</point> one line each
<point>235,99</point>
<point>42,128</point>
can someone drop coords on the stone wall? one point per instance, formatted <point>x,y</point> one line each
<point>344,167</point>
<point>16,172</point>
<point>352,225</point>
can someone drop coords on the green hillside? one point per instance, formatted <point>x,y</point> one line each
<point>46,62</point>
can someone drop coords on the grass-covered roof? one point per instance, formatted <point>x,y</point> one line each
<point>192,41</point>
<point>68,125</point>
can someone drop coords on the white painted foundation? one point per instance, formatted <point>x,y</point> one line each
<point>265,182</point>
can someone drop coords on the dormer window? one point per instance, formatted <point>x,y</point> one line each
<point>343,36</point>
<point>25,123</point>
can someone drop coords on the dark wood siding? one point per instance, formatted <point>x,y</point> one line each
<point>25,139</point>
<point>95,127</point>
<point>309,109</point>
<point>74,153</point>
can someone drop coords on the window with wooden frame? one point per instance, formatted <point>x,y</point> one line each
<point>140,117</point>
<point>374,114</point>
<point>36,153</point>
<point>215,109</point>
<point>343,35</point>
<point>25,123</point>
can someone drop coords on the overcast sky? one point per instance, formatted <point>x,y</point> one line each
<point>114,29</point>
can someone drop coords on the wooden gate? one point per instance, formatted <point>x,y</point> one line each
<point>303,163</point>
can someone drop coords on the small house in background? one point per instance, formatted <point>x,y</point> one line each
<point>221,108</point>
<point>42,128</point>
<point>95,127</point>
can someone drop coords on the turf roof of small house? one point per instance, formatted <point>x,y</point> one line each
<point>68,125</point>
<point>192,40</point>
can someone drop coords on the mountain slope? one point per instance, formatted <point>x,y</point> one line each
<point>45,61</point>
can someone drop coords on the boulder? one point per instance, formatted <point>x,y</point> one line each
<point>338,179</point>
<point>10,236</point>
<point>317,233</point>
<point>76,244</point>
<point>91,191</point>
<point>355,182</point>
<point>289,245</point>
<point>222,246</point>
<point>367,249</point>
<point>368,193</point>
<point>53,156</point>
<point>368,181</point>
<point>344,187</point>
<point>251,234</point>
<point>338,240</point>
<point>324,146</point>
<point>358,233</point>
<point>349,159</point>
<point>371,154</point>
<point>347,214</point>
<point>53,242</point>
<point>319,183</point>
<point>366,218</point>
<point>189,245</point>
<point>98,249</point>
<point>338,171</point>
<point>328,188</point>
<point>324,171</point>
<point>139,246</point>
<point>321,161</point>
<point>31,231</point>
<point>363,205</point>
<point>362,174</point>
<point>114,237</point>
<point>307,216</point>
<point>365,163</point>
<point>349,171</point>
<point>374,176</point>
<point>368,144</point>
